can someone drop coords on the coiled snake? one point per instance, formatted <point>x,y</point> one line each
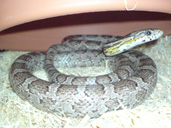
<point>132,80</point>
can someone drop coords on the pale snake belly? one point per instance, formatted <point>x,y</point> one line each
<point>132,80</point>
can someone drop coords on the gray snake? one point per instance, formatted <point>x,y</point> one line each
<point>132,80</point>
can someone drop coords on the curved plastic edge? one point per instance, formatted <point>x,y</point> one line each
<point>15,12</point>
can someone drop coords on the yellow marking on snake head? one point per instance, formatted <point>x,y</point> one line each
<point>117,47</point>
<point>111,50</point>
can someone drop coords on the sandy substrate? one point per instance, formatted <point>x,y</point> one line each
<point>155,112</point>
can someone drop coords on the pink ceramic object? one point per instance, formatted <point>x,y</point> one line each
<point>35,25</point>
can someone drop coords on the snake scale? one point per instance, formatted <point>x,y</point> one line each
<point>131,81</point>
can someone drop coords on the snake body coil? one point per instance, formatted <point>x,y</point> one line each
<point>132,80</point>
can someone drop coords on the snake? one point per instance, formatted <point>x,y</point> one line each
<point>131,81</point>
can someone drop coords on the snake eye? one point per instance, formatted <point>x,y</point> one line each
<point>148,33</point>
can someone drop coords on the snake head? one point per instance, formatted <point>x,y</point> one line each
<point>131,40</point>
<point>146,35</point>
